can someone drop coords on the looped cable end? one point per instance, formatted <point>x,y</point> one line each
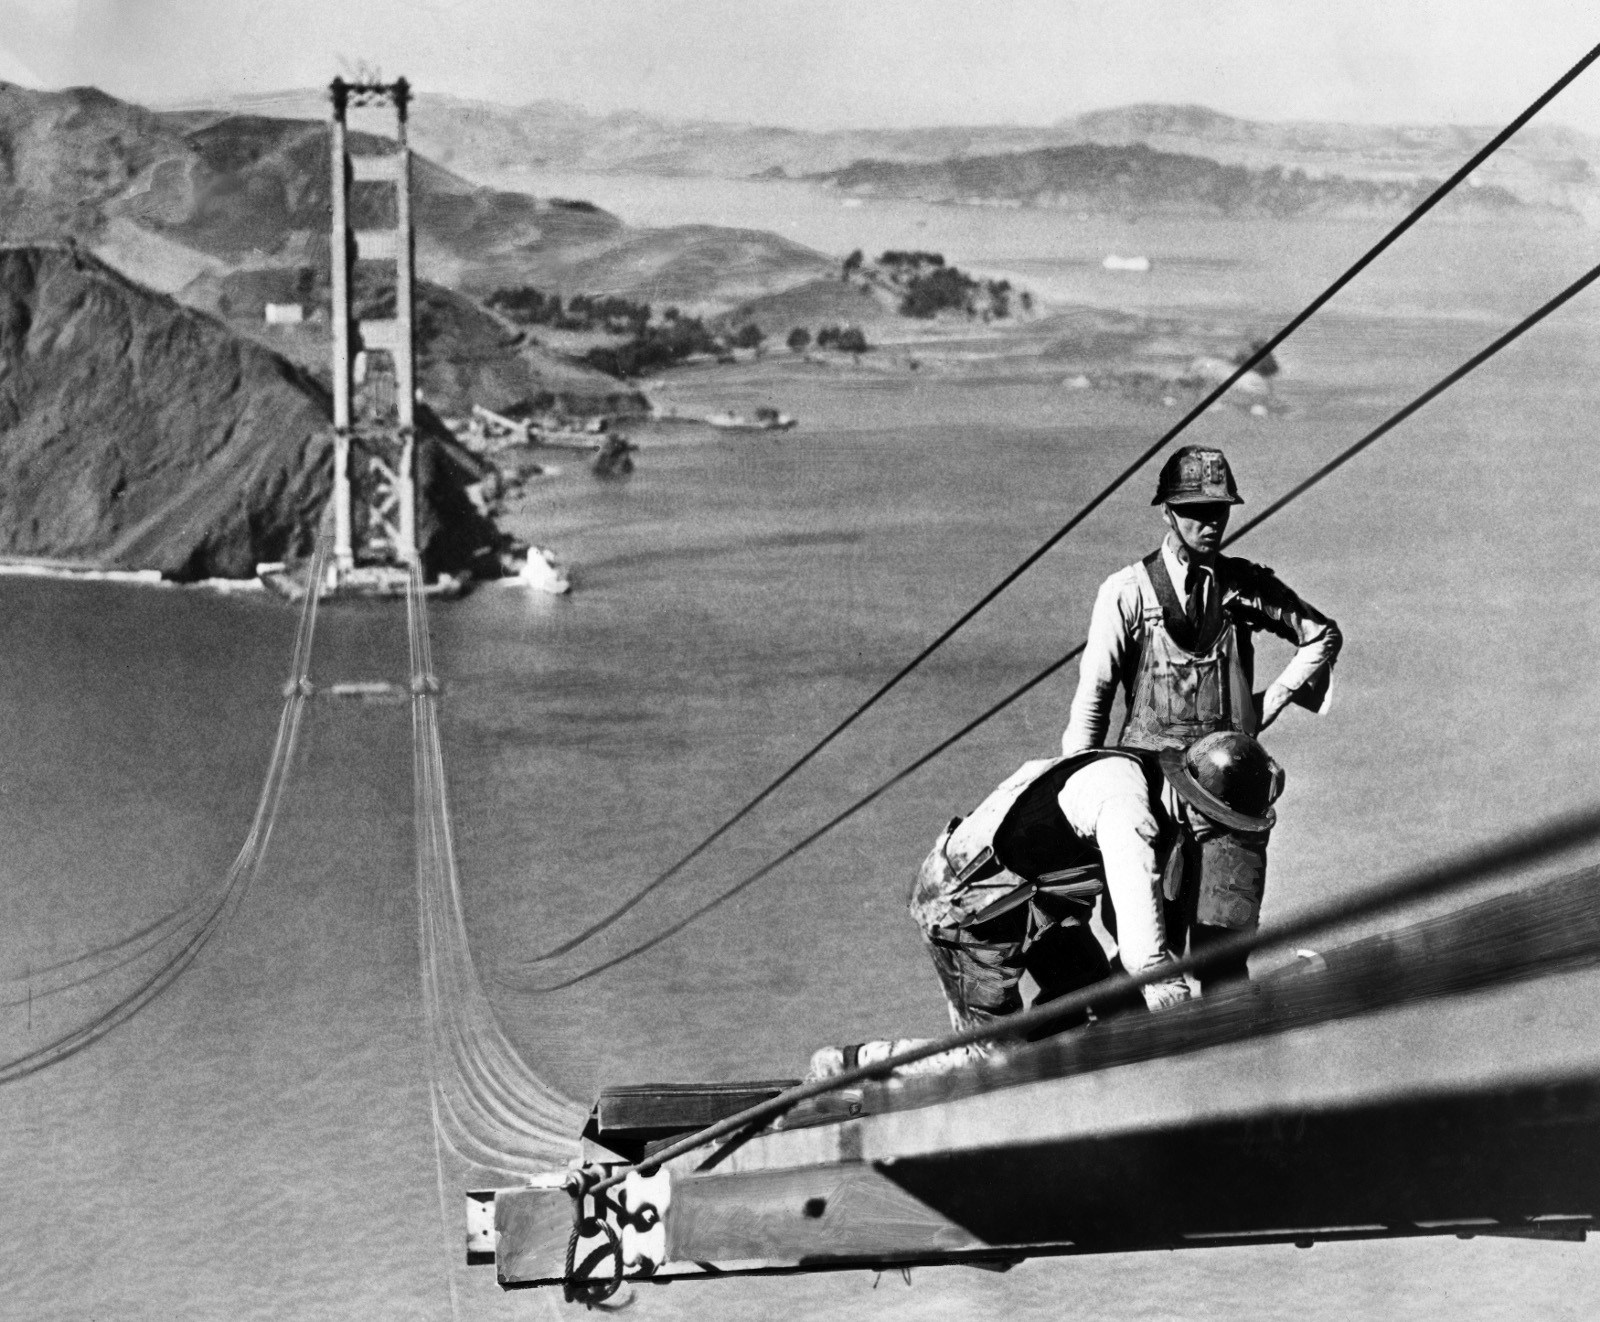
<point>581,1179</point>
<point>579,1285</point>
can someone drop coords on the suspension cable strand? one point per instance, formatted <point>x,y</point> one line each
<point>76,970</point>
<point>1257,355</point>
<point>1511,853</point>
<point>489,1107</point>
<point>1383,428</point>
<point>228,894</point>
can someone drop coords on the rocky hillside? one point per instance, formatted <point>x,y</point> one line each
<point>136,433</point>
<point>1138,180</point>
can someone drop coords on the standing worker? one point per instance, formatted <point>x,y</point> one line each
<point>1175,633</point>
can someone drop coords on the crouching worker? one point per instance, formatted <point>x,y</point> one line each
<point>1010,890</point>
<point>1174,846</point>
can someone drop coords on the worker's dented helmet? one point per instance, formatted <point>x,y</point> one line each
<point>1229,777</point>
<point>1196,475</point>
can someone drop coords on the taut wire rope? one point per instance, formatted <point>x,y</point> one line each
<point>1256,356</point>
<point>1350,452</point>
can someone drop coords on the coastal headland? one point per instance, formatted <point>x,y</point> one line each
<point>560,315</point>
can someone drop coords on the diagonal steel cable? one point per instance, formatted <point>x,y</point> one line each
<point>1344,457</point>
<point>1088,508</point>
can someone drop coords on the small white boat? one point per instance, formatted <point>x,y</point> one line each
<point>541,572</point>
<point>1115,263</point>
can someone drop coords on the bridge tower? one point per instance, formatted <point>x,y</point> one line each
<point>374,368</point>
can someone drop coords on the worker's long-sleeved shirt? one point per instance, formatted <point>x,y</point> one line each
<point>1109,802</point>
<point>1255,598</point>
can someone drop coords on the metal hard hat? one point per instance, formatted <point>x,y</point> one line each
<point>1229,777</point>
<point>1196,474</point>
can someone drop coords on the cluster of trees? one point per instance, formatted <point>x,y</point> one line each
<point>652,343</point>
<point>915,260</point>
<point>652,347</point>
<point>582,312</point>
<point>657,345</point>
<point>846,339</point>
<point>929,286</point>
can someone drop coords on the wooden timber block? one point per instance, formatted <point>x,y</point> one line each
<point>629,1119</point>
<point>531,1228</point>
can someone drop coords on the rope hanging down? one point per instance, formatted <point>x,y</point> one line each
<point>196,922</point>
<point>1512,853</point>
<point>1344,457</point>
<point>1260,353</point>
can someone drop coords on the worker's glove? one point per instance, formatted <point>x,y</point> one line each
<point>1164,994</point>
<point>830,1062</point>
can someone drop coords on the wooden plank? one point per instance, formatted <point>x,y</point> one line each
<point>678,1106</point>
<point>481,1240</point>
<point>531,1228</point>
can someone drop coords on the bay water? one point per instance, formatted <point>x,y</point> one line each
<point>257,1142</point>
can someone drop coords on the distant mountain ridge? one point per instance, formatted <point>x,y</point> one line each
<point>1136,179</point>
<point>174,195</point>
<point>1546,165</point>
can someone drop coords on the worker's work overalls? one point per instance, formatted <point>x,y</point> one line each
<point>1192,682</point>
<point>976,903</point>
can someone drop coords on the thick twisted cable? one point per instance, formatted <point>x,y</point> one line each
<point>1088,508</point>
<point>1344,457</point>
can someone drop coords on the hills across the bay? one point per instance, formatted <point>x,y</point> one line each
<point>1546,165</point>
